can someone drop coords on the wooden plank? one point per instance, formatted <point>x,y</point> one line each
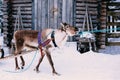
<point>114,4</point>
<point>113,43</point>
<point>90,1</point>
<point>89,5</point>
<point>24,16</point>
<point>111,13</point>
<point>26,25</point>
<point>83,9</point>
<point>83,12</point>
<point>25,21</point>
<point>113,23</point>
<point>79,25</point>
<point>81,20</point>
<point>21,1</point>
<point>22,5</point>
<point>22,8</point>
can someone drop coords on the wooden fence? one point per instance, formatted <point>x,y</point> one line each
<point>10,8</point>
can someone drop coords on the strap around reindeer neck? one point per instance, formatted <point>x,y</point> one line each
<point>53,38</point>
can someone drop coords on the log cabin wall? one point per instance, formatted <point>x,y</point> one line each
<point>36,14</point>
<point>79,8</point>
<point>103,24</point>
<point>113,23</point>
<point>10,14</point>
<point>26,12</point>
<point>97,11</point>
<point>39,14</point>
<point>7,20</point>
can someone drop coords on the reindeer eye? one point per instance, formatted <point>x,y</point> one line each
<point>67,26</point>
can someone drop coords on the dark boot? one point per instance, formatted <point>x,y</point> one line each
<point>2,51</point>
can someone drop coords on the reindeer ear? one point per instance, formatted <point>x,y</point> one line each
<point>62,24</point>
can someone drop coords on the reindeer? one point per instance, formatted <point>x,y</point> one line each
<point>33,38</point>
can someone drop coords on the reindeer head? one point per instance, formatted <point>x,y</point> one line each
<point>70,30</point>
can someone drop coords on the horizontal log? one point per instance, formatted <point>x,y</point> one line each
<point>90,1</point>
<point>113,43</point>
<point>22,8</point>
<point>114,4</point>
<point>25,20</point>
<point>113,23</point>
<point>79,25</point>
<point>116,9</point>
<point>103,19</point>
<point>101,42</point>
<point>21,1</point>
<point>80,21</point>
<point>103,26</point>
<point>113,35</point>
<point>26,25</point>
<point>83,9</point>
<point>102,46</point>
<point>22,5</point>
<point>83,5</point>
<point>111,13</point>
<point>82,16</point>
<point>93,16</point>
<point>90,12</point>
<point>24,16</point>
<point>27,13</point>
<point>5,16</point>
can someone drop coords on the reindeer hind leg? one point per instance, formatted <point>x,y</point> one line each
<point>23,62</point>
<point>16,64</point>
<point>19,47</point>
<point>40,60</point>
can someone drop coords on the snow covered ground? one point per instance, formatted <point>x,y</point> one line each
<point>68,62</point>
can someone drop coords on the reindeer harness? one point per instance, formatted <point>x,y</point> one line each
<point>46,42</point>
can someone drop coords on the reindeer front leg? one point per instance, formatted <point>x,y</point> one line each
<point>51,62</point>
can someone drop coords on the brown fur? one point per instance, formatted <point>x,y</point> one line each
<point>28,37</point>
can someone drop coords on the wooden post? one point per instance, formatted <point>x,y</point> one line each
<point>10,24</point>
<point>102,36</point>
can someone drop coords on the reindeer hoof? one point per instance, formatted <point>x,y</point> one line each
<point>55,73</point>
<point>22,67</point>
<point>37,71</point>
<point>17,68</point>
